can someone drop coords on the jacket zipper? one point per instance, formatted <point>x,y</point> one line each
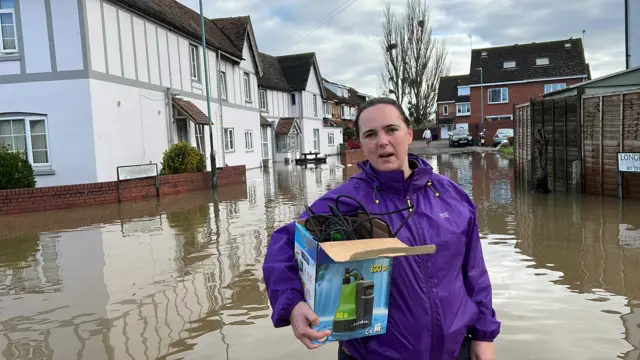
<point>433,314</point>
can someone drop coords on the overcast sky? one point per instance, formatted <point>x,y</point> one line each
<point>347,44</point>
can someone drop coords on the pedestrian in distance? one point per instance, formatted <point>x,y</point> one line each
<point>427,136</point>
<point>440,305</point>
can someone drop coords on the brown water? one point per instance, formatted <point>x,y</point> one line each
<point>180,278</point>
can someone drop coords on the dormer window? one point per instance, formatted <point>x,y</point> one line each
<point>484,54</point>
<point>542,61</point>
<point>509,64</point>
<point>567,45</point>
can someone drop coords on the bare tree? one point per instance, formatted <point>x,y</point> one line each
<point>414,60</point>
<point>393,78</point>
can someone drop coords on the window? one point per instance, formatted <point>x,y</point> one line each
<point>200,138</point>
<point>499,117</point>
<point>316,139</point>
<point>281,143</point>
<point>8,38</point>
<point>445,109</point>
<point>542,61</point>
<point>463,109</point>
<point>463,91</point>
<point>498,96</point>
<point>315,105</point>
<point>194,61</point>
<point>263,100</point>
<point>248,140</point>
<point>554,87</point>
<point>509,64</point>
<point>223,85</point>
<point>327,109</point>
<point>229,142</point>
<point>247,87</point>
<point>343,111</point>
<point>331,139</point>
<point>27,134</point>
<point>293,99</point>
<point>484,54</point>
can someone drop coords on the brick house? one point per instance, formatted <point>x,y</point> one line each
<point>500,77</point>
<point>453,103</point>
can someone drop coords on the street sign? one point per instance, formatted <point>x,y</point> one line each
<point>138,171</point>
<point>629,162</point>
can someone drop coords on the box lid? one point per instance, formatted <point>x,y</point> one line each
<point>352,250</point>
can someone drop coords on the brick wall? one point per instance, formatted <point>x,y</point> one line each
<point>60,197</point>
<point>352,156</point>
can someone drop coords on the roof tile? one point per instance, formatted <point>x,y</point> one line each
<point>563,61</point>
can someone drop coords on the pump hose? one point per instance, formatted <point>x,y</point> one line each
<point>340,225</point>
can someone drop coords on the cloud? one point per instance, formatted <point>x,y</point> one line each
<point>347,44</point>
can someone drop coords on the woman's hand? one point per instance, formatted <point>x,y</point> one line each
<point>482,350</point>
<point>301,319</point>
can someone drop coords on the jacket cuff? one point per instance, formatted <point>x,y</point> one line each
<point>485,329</point>
<point>284,307</point>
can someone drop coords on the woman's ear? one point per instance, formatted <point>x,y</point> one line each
<point>410,134</point>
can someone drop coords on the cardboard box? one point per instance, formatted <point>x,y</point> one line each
<point>347,283</point>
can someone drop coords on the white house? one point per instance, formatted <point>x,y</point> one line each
<point>89,85</point>
<point>291,98</point>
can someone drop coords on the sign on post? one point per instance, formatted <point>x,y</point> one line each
<point>627,162</point>
<point>140,171</point>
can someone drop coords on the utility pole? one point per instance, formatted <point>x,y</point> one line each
<point>214,182</point>
<point>481,99</point>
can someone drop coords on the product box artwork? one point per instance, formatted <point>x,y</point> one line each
<point>347,283</point>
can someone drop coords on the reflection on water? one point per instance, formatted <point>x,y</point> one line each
<point>180,277</point>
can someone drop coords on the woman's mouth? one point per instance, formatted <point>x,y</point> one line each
<point>386,155</point>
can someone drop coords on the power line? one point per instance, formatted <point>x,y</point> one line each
<point>318,24</point>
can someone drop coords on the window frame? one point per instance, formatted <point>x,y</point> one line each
<point>316,140</point>
<point>458,113</point>
<point>558,86</point>
<point>445,110</point>
<point>29,147</point>
<point>223,84</point>
<point>509,62</point>
<point>246,78</point>
<point>229,140</point>
<point>194,62</point>
<point>262,95</point>
<point>466,91</point>
<point>542,61</point>
<point>331,140</point>
<point>502,90</point>
<point>315,105</point>
<point>250,138</point>
<point>11,11</point>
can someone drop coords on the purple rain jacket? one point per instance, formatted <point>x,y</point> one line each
<point>435,300</point>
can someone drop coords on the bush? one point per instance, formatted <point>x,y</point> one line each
<point>16,171</point>
<point>182,158</point>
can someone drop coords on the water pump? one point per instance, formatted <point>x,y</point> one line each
<point>355,311</point>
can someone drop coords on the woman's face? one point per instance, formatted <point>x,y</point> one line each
<point>385,138</point>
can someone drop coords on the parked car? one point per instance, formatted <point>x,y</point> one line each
<point>501,136</point>
<point>460,137</point>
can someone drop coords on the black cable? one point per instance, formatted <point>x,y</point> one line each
<point>338,225</point>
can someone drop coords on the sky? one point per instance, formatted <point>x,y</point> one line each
<point>345,34</point>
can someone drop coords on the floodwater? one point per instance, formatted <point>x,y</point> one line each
<point>180,278</point>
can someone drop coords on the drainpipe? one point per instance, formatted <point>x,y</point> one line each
<point>168,95</point>
<point>220,125</point>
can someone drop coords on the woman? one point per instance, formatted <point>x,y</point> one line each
<point>440,305</point>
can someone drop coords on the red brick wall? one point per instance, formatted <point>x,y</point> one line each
<point>452,110</point>
<point>67,196</point>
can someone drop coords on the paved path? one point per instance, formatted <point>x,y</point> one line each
<point>442,147</point>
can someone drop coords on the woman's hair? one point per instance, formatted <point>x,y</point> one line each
<point>377,101</point>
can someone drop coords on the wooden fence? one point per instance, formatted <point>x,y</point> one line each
<point>611,123</point>
<point>548,145</point>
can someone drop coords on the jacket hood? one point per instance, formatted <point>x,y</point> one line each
<point>421,174</point>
